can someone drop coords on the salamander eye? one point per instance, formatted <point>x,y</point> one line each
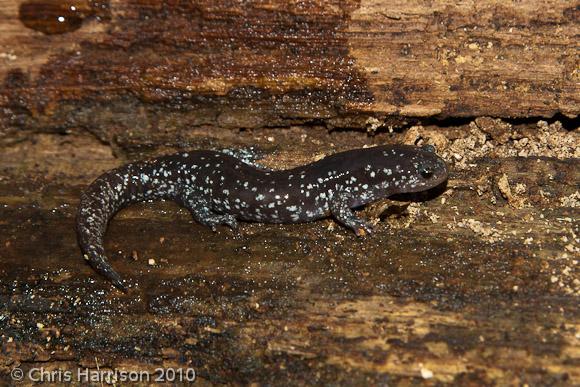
<point>426,172</point>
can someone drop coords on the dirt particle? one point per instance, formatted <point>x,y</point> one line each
<point>513,198</point>
<point>486,232</point>
<point>426,373</point>
<point>572,201</point>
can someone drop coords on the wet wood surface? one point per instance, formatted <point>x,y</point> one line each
<point>474,283</point>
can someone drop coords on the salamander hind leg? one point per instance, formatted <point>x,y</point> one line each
<point>342,212</point>
<point>213,220</point>
<point>203,214</point>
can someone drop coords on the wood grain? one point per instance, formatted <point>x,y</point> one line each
<point>476,286</point>
<point>150,67</point>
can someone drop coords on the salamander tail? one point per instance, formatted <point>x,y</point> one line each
<point>92,218</point>
<point>102,266</point>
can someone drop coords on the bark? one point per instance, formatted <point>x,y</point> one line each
<point>144,68</point>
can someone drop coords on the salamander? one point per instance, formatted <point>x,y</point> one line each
<point>219,189</point>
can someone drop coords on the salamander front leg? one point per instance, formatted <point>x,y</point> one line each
<point>340,209</point>
<point>203,214</point>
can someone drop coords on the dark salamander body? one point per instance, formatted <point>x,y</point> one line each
<point>219,189</point>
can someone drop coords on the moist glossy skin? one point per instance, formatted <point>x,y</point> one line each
<point>219,189</point>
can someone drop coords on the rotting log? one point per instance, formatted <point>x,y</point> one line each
<point>478,285</point>
<point>167,66</point>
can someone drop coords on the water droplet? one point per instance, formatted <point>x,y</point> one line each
<point>54,16</point>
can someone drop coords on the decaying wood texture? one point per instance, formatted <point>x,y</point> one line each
<point>476,286</point>
<point>155,66</point>
<point>474,283</point>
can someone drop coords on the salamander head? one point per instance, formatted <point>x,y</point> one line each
<point>403,169</point>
